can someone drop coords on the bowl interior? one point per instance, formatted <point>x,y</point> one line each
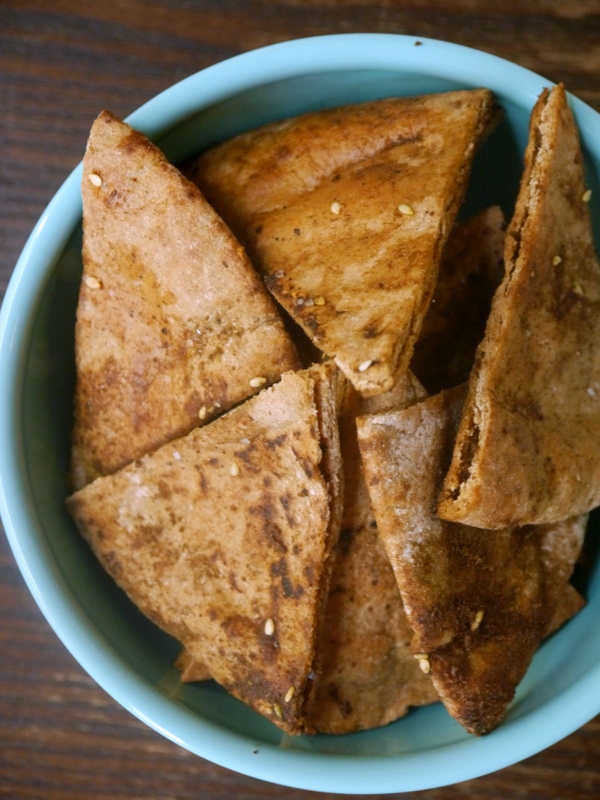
<point>128,655</point>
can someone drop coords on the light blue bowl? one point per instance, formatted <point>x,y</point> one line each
<point>121,650</point>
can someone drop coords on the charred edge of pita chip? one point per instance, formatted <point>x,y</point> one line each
<point>330,389</point>
<point>514,232</point>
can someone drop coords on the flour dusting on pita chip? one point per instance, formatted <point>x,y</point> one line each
<point>368,675</point>
<point>471,269</point>
<point>174,326</point>
<point>224,538</point>
<point>346,211</point>
<point>480,601</point>
<point>526,450</point>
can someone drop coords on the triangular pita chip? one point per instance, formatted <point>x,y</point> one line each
<point>173,324</point>
<point>471,270</point>
<point>224,538</point>
<point>527,449</point>
<point>368,675</point>
<point>479,601</point>
<point>346,211</point>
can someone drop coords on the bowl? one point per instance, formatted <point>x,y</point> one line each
<point>130,658</point>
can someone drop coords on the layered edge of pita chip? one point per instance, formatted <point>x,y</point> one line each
<point>369,676</point>
<point>224,537</point>
<point>526,449</point>
<point>480,601</point>
<point>174,326</point>
<point>349,237</point>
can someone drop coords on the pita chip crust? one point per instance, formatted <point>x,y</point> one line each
<point>173,323</point>
<point>471,270</point>
<point>368,675</point>
<point>344,216</point>
<point>224,539</point>
<point>479,601</point>
<point>526,450</point>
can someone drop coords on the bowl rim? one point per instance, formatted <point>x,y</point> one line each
<point>517,738</point>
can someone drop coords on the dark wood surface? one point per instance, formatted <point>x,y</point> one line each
<point>61,737</point>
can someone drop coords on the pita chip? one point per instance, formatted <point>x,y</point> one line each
<point>173,324</point>
<point>471,270</point>
<point>368,675</point>
<point>224,539</point>
<point>480,601</point>
<point>346,211</point>
<point>526,451</point>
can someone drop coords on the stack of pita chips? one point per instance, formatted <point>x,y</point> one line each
<point>521,467</point>
<point>324,592</point>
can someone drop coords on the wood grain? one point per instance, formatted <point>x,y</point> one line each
<point>61,62</point>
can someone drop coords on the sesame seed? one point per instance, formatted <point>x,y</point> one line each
<point>202,412</point>
<point>300,301</point>
<point>234,470</point>
<point>279,274</point>
<point>591,391</point>
<point>404,208</point>
<point>477,621</point>
<point>365,365</point>
<point>335,208</point>
<point>258,381</point>
<point>578,289</point>
<point>319,300</point>
<point>289,694</point>
<point>92,282</point>
<point>556,260</point>
<point>176,455</point>
<point>423,660</point>
<point>278,710</point>
<point>586,197</point>
<point>269,627</point>
<point>95,179</point>
<point>309,302</point>
<point>217,404</point>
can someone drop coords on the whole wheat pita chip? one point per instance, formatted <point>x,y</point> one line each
<point>527,450</point>
<point>471,269</point>
<point>480,602</point>
<point>224,539</point>
<point>346,211</point>
<point>173,324</point>
<point>368,675</point>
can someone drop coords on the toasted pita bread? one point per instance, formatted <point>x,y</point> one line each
<point>346,211</point>
<point>527,450</point>
<point>471,270</point>
<point>173,324</point>
<point>224,539</point>
<point>480,602</point>
<point>368,675</point>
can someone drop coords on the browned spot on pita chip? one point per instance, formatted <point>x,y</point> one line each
<point>173,323</point>
<point>224,539</point>
<point>471,270</point>
<point>527,450</point>
<point>368,675</point>
<point>479,601</point>
<point>345,217</point>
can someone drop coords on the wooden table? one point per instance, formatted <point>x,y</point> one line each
<point>61,737</point>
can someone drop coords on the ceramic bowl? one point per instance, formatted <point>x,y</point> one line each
<point>130,658</point>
